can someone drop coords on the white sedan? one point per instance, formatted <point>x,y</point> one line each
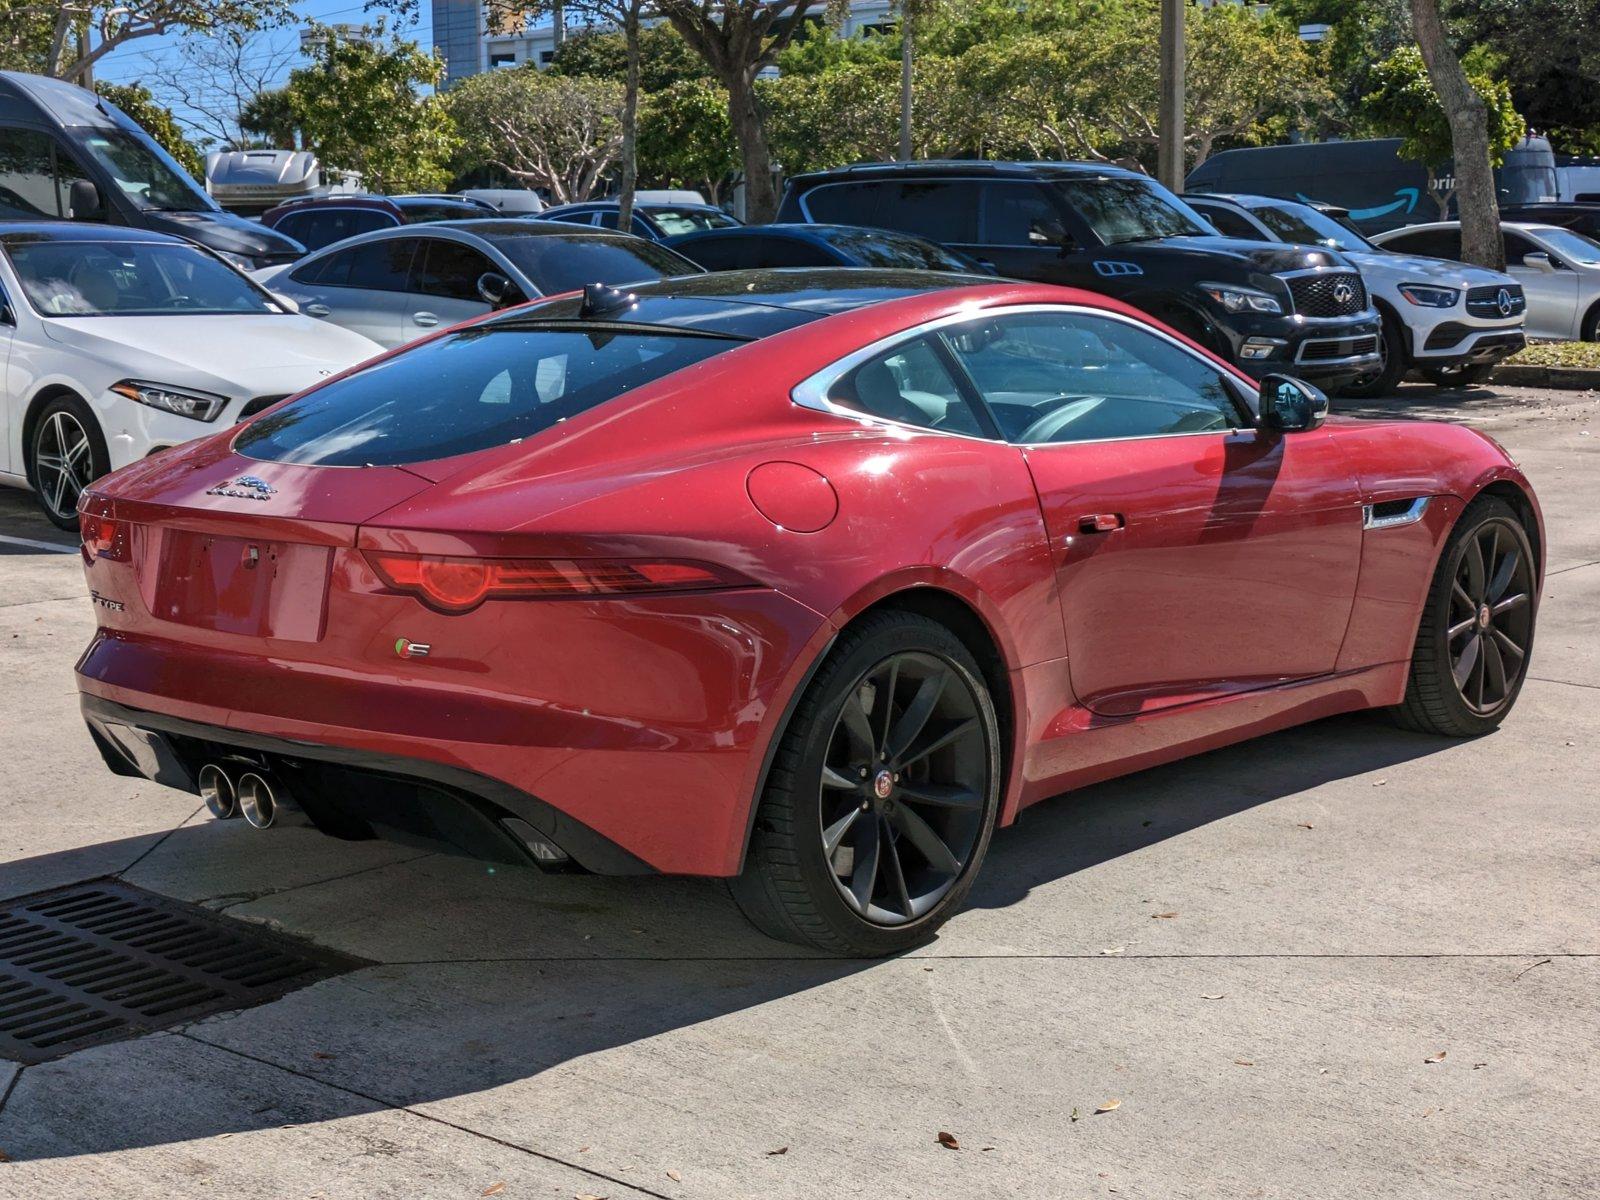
<point>115,343</point>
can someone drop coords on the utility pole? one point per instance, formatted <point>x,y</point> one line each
<point>907,49</point>
<point>1169,157</point>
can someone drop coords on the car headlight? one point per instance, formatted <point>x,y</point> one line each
<point>198,406</point>
<point>243,261</point>
<point>1429,297</point>
<point>1241,299</point>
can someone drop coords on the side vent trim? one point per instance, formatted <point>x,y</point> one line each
<point>1391,514</point>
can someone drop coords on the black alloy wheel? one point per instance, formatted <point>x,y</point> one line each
<point>882,795</point>
<point>1477,629</point>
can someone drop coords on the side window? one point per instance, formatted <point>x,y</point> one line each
<point>1430,243</point>
<point>1516,247</point>
<point>314,230</point>
<point>909,384</point>
<point>380,266</point>
<point>845,203</point>
<point>937,209</point>
<point>449,270</point>
<point>609,218</point>
<point>68,171</point>
<point>571,218</point>
<point>1077,377</point>
<point>27,186</point>
<point>1229,223</point>
<point>787,252</point>
<point>719,253</point>
<point>1019,214</point>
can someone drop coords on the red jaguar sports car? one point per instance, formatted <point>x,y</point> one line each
<point>805,579</point>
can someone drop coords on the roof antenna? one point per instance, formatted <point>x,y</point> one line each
<point>601,299</point>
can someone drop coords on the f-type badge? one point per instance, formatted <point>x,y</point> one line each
<point>406,648</point>
<point>246,487</point>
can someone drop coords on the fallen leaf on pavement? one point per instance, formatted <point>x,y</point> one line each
<point>1212,995</point>
<point>1436,1058</point>
<point>587,1196</point>
<point>948,1140</point>
<point>674,1176</point>
<point>494,1189</point>
<point>1106,1106</point>
<point>1162,916</point>
<point>779,1150</point>
<point>1243,1062</point>
<point>1307,825</point>
<point>1076,1115</point>
<point>1112,950</point>
<point>323,1055</point>
<point>583,1149</point>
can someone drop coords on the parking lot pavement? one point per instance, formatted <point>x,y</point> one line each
<point>1260,954</point>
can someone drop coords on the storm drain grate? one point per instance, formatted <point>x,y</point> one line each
<point>103,961</point>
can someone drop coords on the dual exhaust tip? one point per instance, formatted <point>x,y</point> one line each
<point>255,794</point>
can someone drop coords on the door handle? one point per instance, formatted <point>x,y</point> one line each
<point>425,319</point>
<point>1100,522</point>
<point>315,310</point>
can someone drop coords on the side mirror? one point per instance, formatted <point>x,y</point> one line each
<point>1051,233</point>
<point>494,288</point>
<point>1290,405</point>
<point>7,317</point>
<point>83,201</point>
<point>1538,261</point>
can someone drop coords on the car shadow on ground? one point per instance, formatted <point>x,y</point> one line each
<point>482,979</point>
<point>1424,402</point>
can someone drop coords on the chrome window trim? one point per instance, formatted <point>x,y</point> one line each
<point>1413,514</point>
<point>812,392</point>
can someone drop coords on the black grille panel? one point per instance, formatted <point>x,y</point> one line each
<point>1328,294</point>
<point>1323,349</point>
<point>103,962</point>
<point>1485,302</point>
<point>259,404</point>
<point>1444,336</point>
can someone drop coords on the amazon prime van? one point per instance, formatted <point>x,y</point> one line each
<point>67,154</point>
<point>1381,189</point>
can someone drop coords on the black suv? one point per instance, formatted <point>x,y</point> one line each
<point>1263,305</point>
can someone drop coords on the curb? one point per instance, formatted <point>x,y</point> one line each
<point>1576,379</point>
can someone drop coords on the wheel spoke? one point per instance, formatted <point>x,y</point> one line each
<point>1460,627</point>
<point>915,718</point>
<point>917,754</point>
<point>1494,670</point>
<point>1468,660</point>
<point>1482,673</point>
<point>897,877</point>
<point>1515,600</point>
<point>1476,571</point>
<point>1503,575</point>
<point>1459,594</point>
<point>858,728</point>
<point>1503,640</point>
<point>944,795</point>
<point>868,843</point>
<point>839,781</point>
<point>928,843</point>
<point>888,701</point>
<point>834,834</point>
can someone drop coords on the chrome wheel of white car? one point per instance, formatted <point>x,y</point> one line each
<point>66,458</point>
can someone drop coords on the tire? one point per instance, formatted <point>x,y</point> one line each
<point>1383,381</point>
<point>1466,375</point>
<point>1590,332</point>
<point>1441,698</point>
<point>793,886</point>
<point>66,452</point>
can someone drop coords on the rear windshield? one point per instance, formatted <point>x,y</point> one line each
<point>472,390</point>
<point>673,221</point>
<point>556,263</point>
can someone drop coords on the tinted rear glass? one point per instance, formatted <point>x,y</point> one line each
<point>556,263</point>
<point>469,391</point>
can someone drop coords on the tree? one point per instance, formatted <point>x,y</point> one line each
<point>1548,51</point>
<point>547,131</point>
<point>216,80</point>
<point>685,139</point>
<point>67,39</point>
<point>155,120</point>
<point>358,106</point>
<point>1406,105</point>
<point>267,120</point>
<point>1040,94</point>
<point>736,39</point>
<point>664,57</point>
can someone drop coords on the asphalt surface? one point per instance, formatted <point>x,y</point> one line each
<point>1260,954</point>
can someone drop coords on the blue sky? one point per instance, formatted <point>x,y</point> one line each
<point>133,63</point>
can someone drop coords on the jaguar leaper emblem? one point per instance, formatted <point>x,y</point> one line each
<point>246,487</point>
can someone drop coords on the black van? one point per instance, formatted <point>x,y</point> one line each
<point>1381,189</point>
<point>1265,306</point>
<point>66,153</point>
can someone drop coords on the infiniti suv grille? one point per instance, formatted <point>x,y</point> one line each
<point>1330,294</point>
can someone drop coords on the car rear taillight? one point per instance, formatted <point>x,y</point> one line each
<point>103,537</point>
<point>458,585</point>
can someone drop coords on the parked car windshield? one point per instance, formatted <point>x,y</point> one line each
<point>129,279</point>
<point>1131,210</point>
<point>557,263</point>
<point>673,221</point>
<point>1572,245</point>
<point>482,387</point>
<point>1303,224</point>
<point>144,172</point>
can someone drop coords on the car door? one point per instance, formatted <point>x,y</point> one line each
<point>8,329</point>
<point>1196,556</point>
<point>444,286</point>
<point>1550,285</point>
<point>361,287</point>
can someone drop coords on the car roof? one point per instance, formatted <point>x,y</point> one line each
<point>748,304</point>
<point>638,206</point>
<point>1515,226</point>
<point>489,229</point>
<point>975,168</point>
<point>81,231</point>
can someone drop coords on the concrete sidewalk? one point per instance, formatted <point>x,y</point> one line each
<point>1349,901</point>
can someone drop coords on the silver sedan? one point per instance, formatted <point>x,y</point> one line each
<point>1557,268</point>
<point>393,285</point>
